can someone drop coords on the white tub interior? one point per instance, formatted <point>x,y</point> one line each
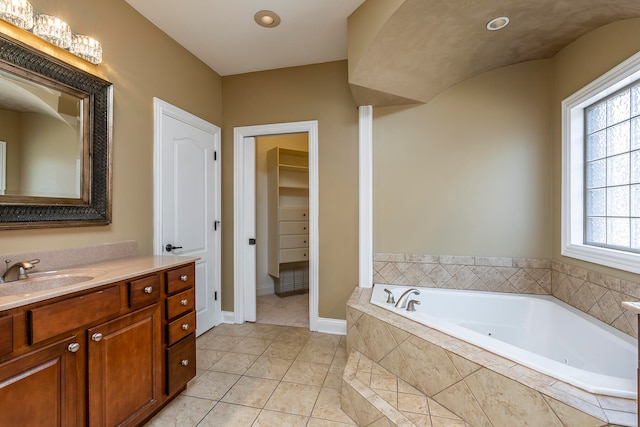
<point>537,331</point>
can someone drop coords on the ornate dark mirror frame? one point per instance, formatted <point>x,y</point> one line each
<point>94,206</point>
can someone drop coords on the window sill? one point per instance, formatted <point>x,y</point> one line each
<point>620,260</point>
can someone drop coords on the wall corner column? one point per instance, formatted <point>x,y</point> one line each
<point>365,149</point>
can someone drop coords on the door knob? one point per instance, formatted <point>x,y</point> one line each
<point>170,247</point>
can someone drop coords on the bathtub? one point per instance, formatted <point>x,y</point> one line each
<point>537,331</point>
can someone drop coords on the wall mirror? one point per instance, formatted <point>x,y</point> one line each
<point>55,141</point>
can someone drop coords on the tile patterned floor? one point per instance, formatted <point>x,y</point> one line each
<point>291,311</point>
<point>262,375</point>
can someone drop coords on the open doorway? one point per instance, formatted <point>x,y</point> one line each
<point>282,229</point>
<point>246,272</point>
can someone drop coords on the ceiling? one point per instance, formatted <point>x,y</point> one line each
<point>422,47</point>
<point>400,51</point>
<point>224,35</point>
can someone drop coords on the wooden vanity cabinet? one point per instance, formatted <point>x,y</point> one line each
<point>124,368</point>
<point>40,388</point>
<point>180,327</point>
<point>99,357</point>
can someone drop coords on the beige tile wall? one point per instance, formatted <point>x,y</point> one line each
<point>594,293</point>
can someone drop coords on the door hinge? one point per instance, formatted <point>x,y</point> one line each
<point>252,241</point>
<point>215,155</point>
<point>215,296</point>
<point>215,225</point>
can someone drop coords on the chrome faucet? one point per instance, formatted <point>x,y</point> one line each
<point>17,271</point>
<point>402,301</point>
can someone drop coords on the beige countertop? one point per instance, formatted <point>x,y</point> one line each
<point>27,291</point>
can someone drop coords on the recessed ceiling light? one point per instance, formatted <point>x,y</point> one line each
<point>267,18</point>
<point>498,23</point>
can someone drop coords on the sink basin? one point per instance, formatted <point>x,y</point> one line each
<point>49,280</point>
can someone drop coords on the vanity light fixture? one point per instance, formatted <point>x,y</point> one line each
<point>52,29</point>
<point>498,23</point>
<point>267,18</point>
<point>17,12</point>
<point>86,48</point>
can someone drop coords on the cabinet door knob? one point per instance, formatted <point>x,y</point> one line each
<point>183,278</point>
<point>185,326</point>
<point>73,347</point>
<point>96,337</point>
<point>184,362</point>
<point>184,302</point>
<point>148,289</point>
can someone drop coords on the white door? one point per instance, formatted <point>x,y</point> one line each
<point>188,191</point>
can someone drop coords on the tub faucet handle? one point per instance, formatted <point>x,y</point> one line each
<point>390,299</point>
<point>411,305</point>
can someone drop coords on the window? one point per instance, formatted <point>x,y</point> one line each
<point>601,170</point>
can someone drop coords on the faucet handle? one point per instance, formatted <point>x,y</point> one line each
<point>390,299</point>
<point>31,263</point>
<point>411,305</point>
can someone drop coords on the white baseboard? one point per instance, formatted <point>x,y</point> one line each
<point>325,325</point>
<point>332,326</point>
<point>228,317</point>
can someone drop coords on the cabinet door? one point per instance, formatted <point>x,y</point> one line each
<point>124,368</point>
<point>39,388</point>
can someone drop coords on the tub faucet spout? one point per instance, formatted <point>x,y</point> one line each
<point>402,301</point>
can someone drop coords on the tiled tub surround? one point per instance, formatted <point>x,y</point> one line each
<point>478,386</point>
<point>596,294</point>
<point>537,331</point>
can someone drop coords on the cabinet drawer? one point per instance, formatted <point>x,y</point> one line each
<point>294,241</point>
<point>180,328</point>
<point>53,319</point>
<point>180,303</point>
<point>6,335</point>
<point>181,364</point>
<point>294,255</point>
<point>181,278</point>
<point>293,214</point>
<point>294,227</point>
<point>144,291</point>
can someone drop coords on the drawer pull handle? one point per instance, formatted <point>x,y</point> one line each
<point>73,347</point>
<point>304,228</point>
<point>184,362</point>
<point>184,302</point>
<point>185,326</point>
<point>183,278</point>
<point>304,214</point>
<point>304,255</point>
<point>148,289</point>
<point>96,337</point>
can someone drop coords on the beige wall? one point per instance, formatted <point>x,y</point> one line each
<point>142,62</point>
<point>468,173</point>
<point>10,133</point>
<point>574,67</point>
<point>316,92</point>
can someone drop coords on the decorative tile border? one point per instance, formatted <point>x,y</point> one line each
<point>596,294</point>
